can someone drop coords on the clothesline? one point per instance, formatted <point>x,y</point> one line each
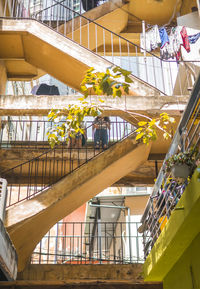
<point>170,45</point>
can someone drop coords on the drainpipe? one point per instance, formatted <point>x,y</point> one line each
<point>129,220</point>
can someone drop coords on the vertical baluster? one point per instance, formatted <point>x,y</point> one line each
<point>73,25</point>
<point>96,39</point>
<point>113,235</point>
<point>120,52</point>
<point>13,9</point>
<point>57,16</point>
<point>104,43</point>
<point>162,70</point>
<point>122,245</point>
<point>128,55</point>
<point>179,78</point>
<point>88,30</point>
<point>73,251</point>
<point>65,22</point>
<point>112,46</point>
<point>80,30</point>
<point>29,12</point>
<point>154,71</point>
<point>21,174</point>
<point>5,9</point>
<point>40,252</point>
<point>81,241</point>
<point>48,246</point>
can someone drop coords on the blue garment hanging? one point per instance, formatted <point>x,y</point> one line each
<point>193,38</point>
<point>163,36</point>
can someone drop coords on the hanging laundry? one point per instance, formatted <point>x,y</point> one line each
<point>194,55</point>
<point>171,48</point>
<point>163,36</point>
<point>152,38</point>
<point>177,38</point>
<point>186,43</point>
<point>193,38</point>
<point>167,52</point>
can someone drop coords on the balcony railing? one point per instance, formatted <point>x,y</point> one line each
<point>168,190</point>
<point>90,243</point>
<point>167,76</point>
<point>37,174</point>
<point>32,134</point>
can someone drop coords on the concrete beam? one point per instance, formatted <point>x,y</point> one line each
<point>41,104</point>
<point>78,272</point>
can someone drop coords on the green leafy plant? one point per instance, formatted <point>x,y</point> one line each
<point>188,158</point>
<point>72,118</point>
<point>147,130</point>
<point>114,82</point>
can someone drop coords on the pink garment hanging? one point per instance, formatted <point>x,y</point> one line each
<point>186,43</point>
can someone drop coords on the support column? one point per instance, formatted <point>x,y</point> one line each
<point>3,78</point>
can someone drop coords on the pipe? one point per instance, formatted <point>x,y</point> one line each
<point>129,220</point>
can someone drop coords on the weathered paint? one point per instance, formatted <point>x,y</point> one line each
<point>181,229</point>
<point>80,272</point>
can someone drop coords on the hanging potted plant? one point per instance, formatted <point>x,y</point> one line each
<point>181,165</point>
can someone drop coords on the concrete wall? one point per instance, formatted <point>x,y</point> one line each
<point>136,204</point>
<point>191,20</point>
<point>185,273</point>
<point>3,78</point>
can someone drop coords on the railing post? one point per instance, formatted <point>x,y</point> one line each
<point>3,198</point>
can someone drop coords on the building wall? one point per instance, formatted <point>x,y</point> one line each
<point>185,273</point>
<point>136,204</point>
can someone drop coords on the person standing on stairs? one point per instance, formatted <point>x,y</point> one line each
<point>100,126</point>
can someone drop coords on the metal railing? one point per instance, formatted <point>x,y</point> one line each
<point>33,133</point>
<point>3,198</point>
<point>86,243</point>
<point>168,190</point>
<point>168,77</point>
<point>28,8</point>
<point>35,175</point>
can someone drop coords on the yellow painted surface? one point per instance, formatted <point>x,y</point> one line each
<point>28,222</point>
<point>3,77</point>
<point>154,12</point>
<point>185,273</point>
<point>177,235</point>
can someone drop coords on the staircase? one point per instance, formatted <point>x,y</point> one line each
<point>168,77</point>
<point>42,189</point>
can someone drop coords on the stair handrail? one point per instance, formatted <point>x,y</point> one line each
<point>33,166</point>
